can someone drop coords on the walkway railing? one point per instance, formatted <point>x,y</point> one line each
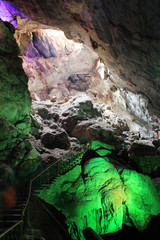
<point>13,233</point>
<point>61,166</point>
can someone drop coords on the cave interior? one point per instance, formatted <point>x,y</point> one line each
<point>79,119</point>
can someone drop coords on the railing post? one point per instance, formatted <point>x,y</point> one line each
<point>21,234</point>
<point>37,181</point>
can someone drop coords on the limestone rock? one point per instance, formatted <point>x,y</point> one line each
<point>69,122</point>
<point>7,175</point>
<point>35,126</point>
<point>20,158</point>
<point>149,165</point>
<point>46,47</point>
<point>140,213</point>
<point>156,143</point>
<point>103,198</point>
<point>10,137</point>
<point>43,112</point>
<point>79,82</point>
<point>86,131</point>
<point>55,139</point>
<point>30,163</point>
<point>13,79</point>
<point>82,109</point>
<point>53,126</point>
<point>48,140</point>
<point>124,33</point>
<point>62,140</point>
<point>120,126</point>
<point>51,59</point>
<point>142,148</point>
<point>14,96</point>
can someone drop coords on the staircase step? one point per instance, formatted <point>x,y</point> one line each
<point>8,223</point>
<point>11,217</point>
<point>20,204</point>
<point>12,210</point>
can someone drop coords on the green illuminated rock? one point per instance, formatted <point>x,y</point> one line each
<point>141,198</point>
<point>14,95</point>
<point>97,144</point>
<point>103,198</point>
<point>26,159</point>
<point>30,163</point>
<point>148,164</point>
<point>15,102</point>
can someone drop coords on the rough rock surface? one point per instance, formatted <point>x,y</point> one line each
<point>123,34</point>
<point>79,82</point>
<point>13,79</point>
<point>148,165</point>
<point>18,156</point>
<point>86,131</point>
<point>49,59</point>
<point>77,120</point>
<point>59,68</point>
<point>103,198</point>
<point>25,159</point>
<point>142,148</point>
<point>82,109</point>
<point>55,139</point>
<point>80,117</point>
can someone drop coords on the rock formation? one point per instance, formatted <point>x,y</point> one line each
<point>52,65</point>
<point>15,122</point>
<point>103,197</point>
<point>93,73</point>
<point>122,33</point>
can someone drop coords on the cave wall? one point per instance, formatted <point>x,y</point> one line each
<point>125,34</point>
<point>52,62</point>
<point>16,152</point>
<point>14,95</point>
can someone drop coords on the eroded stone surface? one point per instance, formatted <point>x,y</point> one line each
<point>103,198</point>
<point>124,34</point>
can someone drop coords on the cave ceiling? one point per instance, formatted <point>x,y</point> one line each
<point>125,34</point>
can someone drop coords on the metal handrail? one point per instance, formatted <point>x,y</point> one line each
<point>11,228</point>
<point>30,185</point>
<point>30,190</point>
<point>46,209</point>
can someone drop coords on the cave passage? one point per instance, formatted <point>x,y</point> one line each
<point>81,76</point>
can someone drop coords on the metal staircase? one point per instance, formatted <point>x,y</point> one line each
<point>12,221</point>
<point>12,216</point>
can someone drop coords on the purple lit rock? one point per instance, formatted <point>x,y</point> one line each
<point>8,13</point>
